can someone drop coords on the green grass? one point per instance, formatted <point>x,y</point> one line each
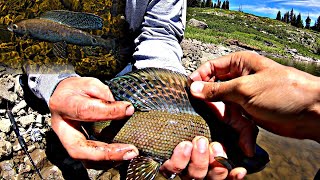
<point>251,30</point>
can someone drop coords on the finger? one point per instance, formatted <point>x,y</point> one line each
<point>95,88</point>
<point>217,91</point>
<point>89,109</point>
<point>246,128</point>
<point>237,173</point>
<point>198,166</point>
<point>216,170</point>
<point>179,159</point>
<point>80,148</point>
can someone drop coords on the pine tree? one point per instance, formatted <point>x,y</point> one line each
<point>294,20</point>
<point>278,16</point>
<point>223,5</point>
<point>317,24</point>
<point>208,3</point>
<point>227,5</point>
<point>286,17</point>
<point>308,22</point>
<point>291,16</point>
<point>215,5</point>
<point>299,22</point>
<point>219,4</point>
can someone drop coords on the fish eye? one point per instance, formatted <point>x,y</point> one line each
<point>14,26</point>
<point>94,40</point>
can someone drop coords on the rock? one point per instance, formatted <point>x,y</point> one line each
<point>16,146</point>
<point>7,171</point>
<point>199,24</point>
<point>5,125</point>
<point>22,104</point>
<point>39,119</point>
<point>94,174</point>
<point>39,158</point>
<point>23,168</point>
<point>17,87</point>
<point>50,172</point>
<point>5,149</point>
<point>26,120</point>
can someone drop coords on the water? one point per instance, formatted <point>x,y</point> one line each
<point>290,158</point>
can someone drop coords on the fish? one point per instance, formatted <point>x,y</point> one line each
<point>63,27</point>
<point>165,115</point>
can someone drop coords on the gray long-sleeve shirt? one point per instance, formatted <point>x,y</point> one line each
<point>162,24</point>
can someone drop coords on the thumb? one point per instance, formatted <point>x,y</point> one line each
<point>216,91</point>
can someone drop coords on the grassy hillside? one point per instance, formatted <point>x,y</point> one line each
<point>256,33</point>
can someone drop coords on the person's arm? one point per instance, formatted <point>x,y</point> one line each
<point>162,28</point>
<point>162,25</point>
<point>281,99</point>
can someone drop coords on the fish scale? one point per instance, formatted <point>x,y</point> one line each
<point>158,132</point>
<point>165,115</point>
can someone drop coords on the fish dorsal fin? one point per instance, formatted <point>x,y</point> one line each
<point>142,168</point>
<point>78,20</point>
<point>153,89</point>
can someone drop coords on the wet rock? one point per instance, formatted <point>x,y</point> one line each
<point>5,125</point>
<point>5,149</point>
<point>199,24</point>
<point>7,171</point>
<point>26,120</point>
<point>22,104</point>
<point>39,158</point>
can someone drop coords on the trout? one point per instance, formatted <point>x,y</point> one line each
<point>166,114</point>
<point>62,27</point>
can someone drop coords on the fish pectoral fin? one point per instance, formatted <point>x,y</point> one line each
<point>142,168</point>
<point>60,49</point>
<point>225,162</point>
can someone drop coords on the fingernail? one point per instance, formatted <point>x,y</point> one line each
<point>241,175</point>
<point>202,145</point>
<point>194,75</point>
<point>130,110</point>
<point>197,86</point>
<point>129,155</point>
<point>217,150</point>
<point>187,149</point>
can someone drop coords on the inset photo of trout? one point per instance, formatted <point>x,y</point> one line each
<point>159,89</point>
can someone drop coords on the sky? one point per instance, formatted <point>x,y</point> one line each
<point>270,8</point>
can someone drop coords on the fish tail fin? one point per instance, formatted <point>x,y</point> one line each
<point>142,168</point>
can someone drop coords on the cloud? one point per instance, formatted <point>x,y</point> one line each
<point>301,3</point>
<point>261,9</point>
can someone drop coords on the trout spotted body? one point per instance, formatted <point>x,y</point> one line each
<point>166,115</point>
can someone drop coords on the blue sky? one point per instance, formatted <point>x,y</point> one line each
<point>270,8</point>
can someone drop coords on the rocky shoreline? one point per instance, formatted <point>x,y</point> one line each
<point>34,124</point>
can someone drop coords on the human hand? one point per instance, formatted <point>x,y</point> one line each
<point>83,99</point>
<point>197,161</point>
<point>280,99</point>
